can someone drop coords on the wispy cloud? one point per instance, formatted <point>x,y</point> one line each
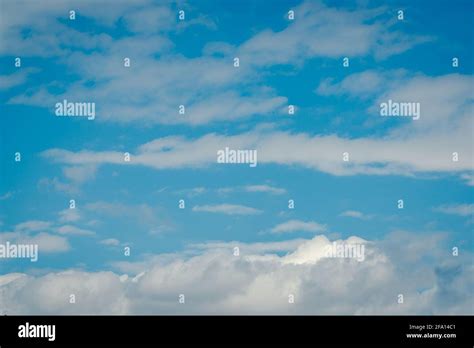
<point>356,214</point>
<point>47,242</point>
<point>73,230</point>
<point>6,196</point>
<point>110,242</point>
<point>33,226</point>
<point>263,188</point>
<point>408,149</point>
<point>192,192</point>
<point>456,209</point>
<point>69,215</point>
<point>228,209</point>
<point>469,178</point>
<point>298,225</point>
<point>127,98</point>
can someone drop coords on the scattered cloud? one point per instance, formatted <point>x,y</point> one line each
<point>232,93</point>
<point>423,146</point>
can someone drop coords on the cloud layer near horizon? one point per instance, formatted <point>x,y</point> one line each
<point>260,281</point>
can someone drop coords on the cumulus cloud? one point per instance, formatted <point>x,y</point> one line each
<point>95,293</point>
<point>261,282</point>
<point>318,249</point>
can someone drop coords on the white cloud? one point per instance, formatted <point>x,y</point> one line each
<point>229,209</point>
<point>316,250</point>
<point>143,213</point>
<point>96,293</point>
<point>192,192</point>
<point>73,230</point>
<point>356,214</point>
<point>154,19</point>
<point>456,209</point>
<point>423,146</point>
<point>47,243</point>
<point>261,282</point>
<point>248,248</point>
<point>33,225</point>
<point>69,215</point>
<point>56,185</point>
<point>298,225</point>
<point>265,188</point>
<point>16,79</point>
<point>230,93</point>
<point>148,218</point>
<point>110,242</point>
<point>79,174</point>
<point>321,31</point>
<point>364,85</point>
<point>367,155</point>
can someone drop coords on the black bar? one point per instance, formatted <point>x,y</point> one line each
<point>225,330</point>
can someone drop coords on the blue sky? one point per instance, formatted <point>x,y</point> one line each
<point>282,62</point>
